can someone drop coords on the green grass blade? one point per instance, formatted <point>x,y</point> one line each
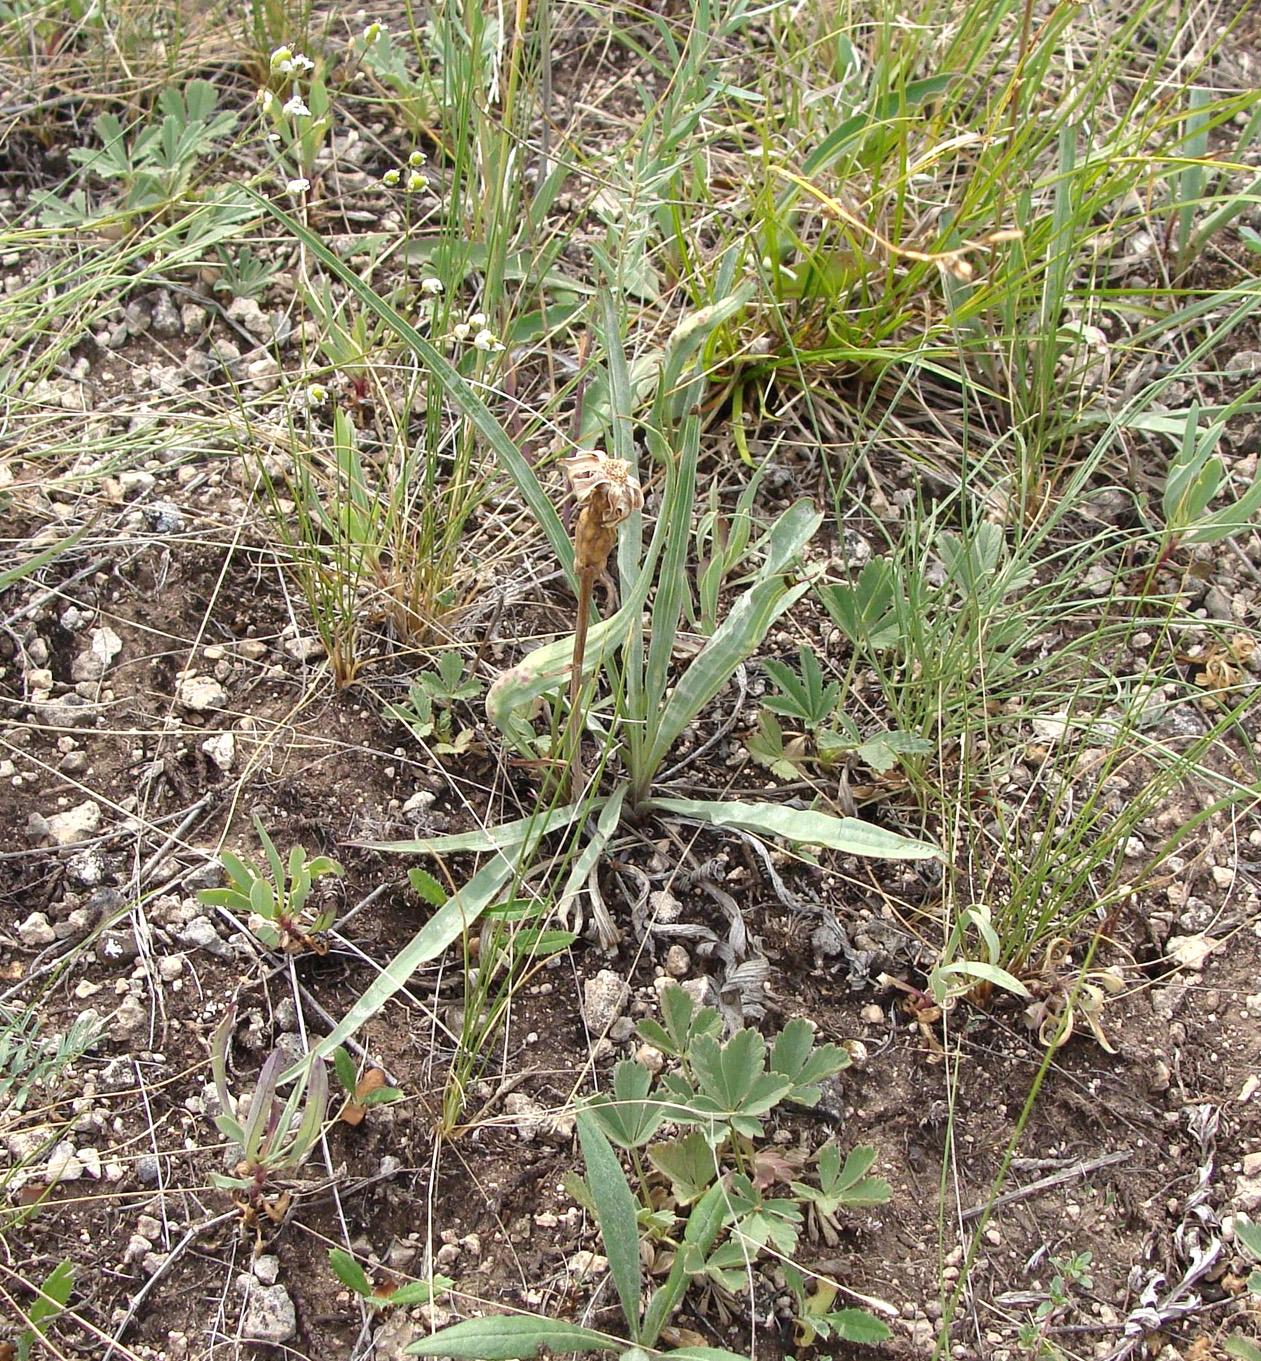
<point>737,637</point>
<point>453,384</point>
<point>50,554</point>
<point>502,838</point>
<point>456,915</point>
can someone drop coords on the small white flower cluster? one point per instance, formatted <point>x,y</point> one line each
<point>286,62</point>
<point>372,33</point>
<point>474,332</point>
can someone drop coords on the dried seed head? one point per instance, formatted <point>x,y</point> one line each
<point>592,469</point>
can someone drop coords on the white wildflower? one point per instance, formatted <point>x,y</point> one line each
<point>373,32</point>
<point>484,340</point>
<point>316,394</point>
<point>461,330</point>
<point>415,182</point>
<point>431,286</point>
<point>301,63</point>
<point>282,61</point>
<point>416,159</point>
<point>390,179</point>
<point>477,320</point>
<point>295,108</point>
<point>298,186</point>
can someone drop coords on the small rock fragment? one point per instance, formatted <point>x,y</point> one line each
<point>36,931</point>
<point>221,748</point>
<point>91,664</point>
<point>267,1268</point>
<point>200,693</point>
<point>531,1118</point>
<point>604,998</point>
<point>1191,951</point>
<point>200,934</point>
<point>269,1315</point>
<point>128,1020</point>
<point>304,649</point>
<point>678,962</point>
<point>62,1165</point>
<point>166,320</point>
<point>65,829</point>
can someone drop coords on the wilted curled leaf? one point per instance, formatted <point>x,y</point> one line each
<point>356,1107</point>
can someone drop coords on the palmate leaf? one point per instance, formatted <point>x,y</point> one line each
<point>803,695</point>
<point>865,611</point>
<point>844,1186</point>
<point>796,1058</point>
<point>684,1021</point>
<point>882,749</point>
<point>732,1081</point>
<point>688,1162</point>
<point>768,748</point>
<point>627,1117</point>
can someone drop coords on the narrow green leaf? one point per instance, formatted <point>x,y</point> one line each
<point>808,828</point>
<point>344,1067</point>
<point>458,914</point>
<point>857,1325</point>
<point>984,973</point>
<point>705,1354</point>
<point>54,1293</point>
<point>418,1292</point>
<point>456,387</point>
<point>510,1337</point>
<point>349,1272</point>
<point>737,637</point>
<point>427,887</point>
<point>41,559</point>
<point>501,838</point>
<point>616,1210</point>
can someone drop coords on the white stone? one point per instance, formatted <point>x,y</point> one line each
<point>247,313</point>
<point>267,1269</point>
<point>304,649</point>
<point>63,1165</point>
<point>36,931</point>
<point>604,998</point>
<point>1191,951</point>
<point>269,1315</point>
<point>200,693</point>
<point>92,663</point>
<point>221,748</point>
<point>75,824</point>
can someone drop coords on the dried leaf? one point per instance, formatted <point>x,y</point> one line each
<point>355,1109</point>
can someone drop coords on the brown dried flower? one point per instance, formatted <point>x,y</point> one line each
<point>608,485</point>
